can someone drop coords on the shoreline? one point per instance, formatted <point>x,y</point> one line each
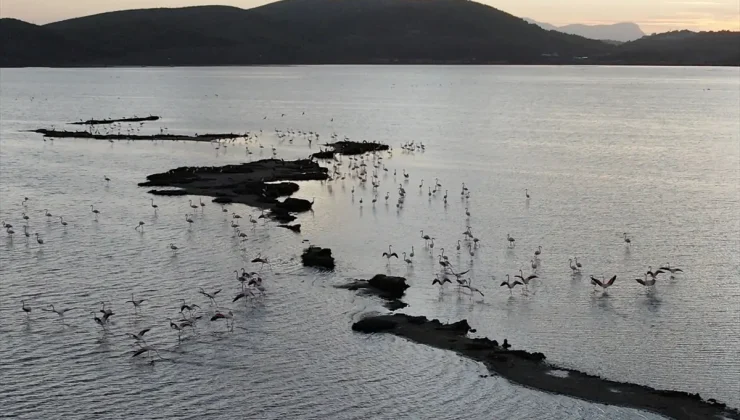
<point>532,371</point>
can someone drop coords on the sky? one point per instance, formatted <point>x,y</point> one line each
<point>651,15</point>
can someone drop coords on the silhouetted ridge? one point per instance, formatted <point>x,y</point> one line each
<point>315,32</point>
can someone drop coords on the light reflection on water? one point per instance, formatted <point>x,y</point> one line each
<point>602,151</point>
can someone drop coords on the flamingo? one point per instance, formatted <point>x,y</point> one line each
<point>202,204</point>
<point>25,231</point>
<point>442,262</point>
<point>604,284</point>
<point>25,308</point>
<point>189,308</point>
<point>509,284</point>
<point>673,271</point>
<point>407,260</point>
<point>534,264</point>
<point>39,240</point>
<point>627,240</point>
<point>261,260</point>
<point>425,237</point>
<point>458,245</point>
<point>526,193</point>
<point>46,211</point>
<point>652,273</point>
<point>512,241</point>
<point>645,282</point>
<point>95,211</point>
<point>135,302</point>
<point>467,212</point>
<point>61,220</point>
<point>573,267</point>
<point>577,263</point>
<point>10,232</point>
<point>240,234</point>
<point>229,316</point>
<point>173,246</point>
<point>538,252</point>
<point>192,206</point>
<point>441,282</point>
<point>472,289</point>
<point>24,216</point>
<point>390,254</point>
<point>235,216</point>
<point>154,206</point>
<point>412,252</point>
<point>252,221</point>
<point>140,335</point>
<point>140,225</point>
<point>188,219</point>
<point>525,280</point>
<point>431,244</point>
<point>211,296</point>
<point>59,312</point>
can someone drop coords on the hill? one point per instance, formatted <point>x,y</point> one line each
<point>622,32</point>
<point>296,31</point>
<point>682,48</point>
<point>323,32</point>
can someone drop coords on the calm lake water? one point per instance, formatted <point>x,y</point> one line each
<point>653,152</point>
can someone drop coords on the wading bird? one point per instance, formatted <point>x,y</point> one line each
<point>135,302</point>
<point>390,254</point>
<point>509,284</point>
<point>140,335</point>
<point>604,284</point>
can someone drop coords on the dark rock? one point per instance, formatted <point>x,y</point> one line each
<point>222,200</point>
<point>113,120</point>
<point>280,189</point>
<point>395,304</point>
<point>315,256</point>
<point>373,325</point>
<point>391,286</point>
<point>171,193</point>
<point>281,215</point>
<point>294,205</point>
<point>294,228</point>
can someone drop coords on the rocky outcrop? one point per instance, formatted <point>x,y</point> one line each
<point>349,148</point>
<point>531,369</point>
<point>257,184</point>
<point>315,256</point>
<point>294,205</point>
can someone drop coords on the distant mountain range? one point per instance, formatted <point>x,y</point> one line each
<point>622,32</point>
<point>333,32</point>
